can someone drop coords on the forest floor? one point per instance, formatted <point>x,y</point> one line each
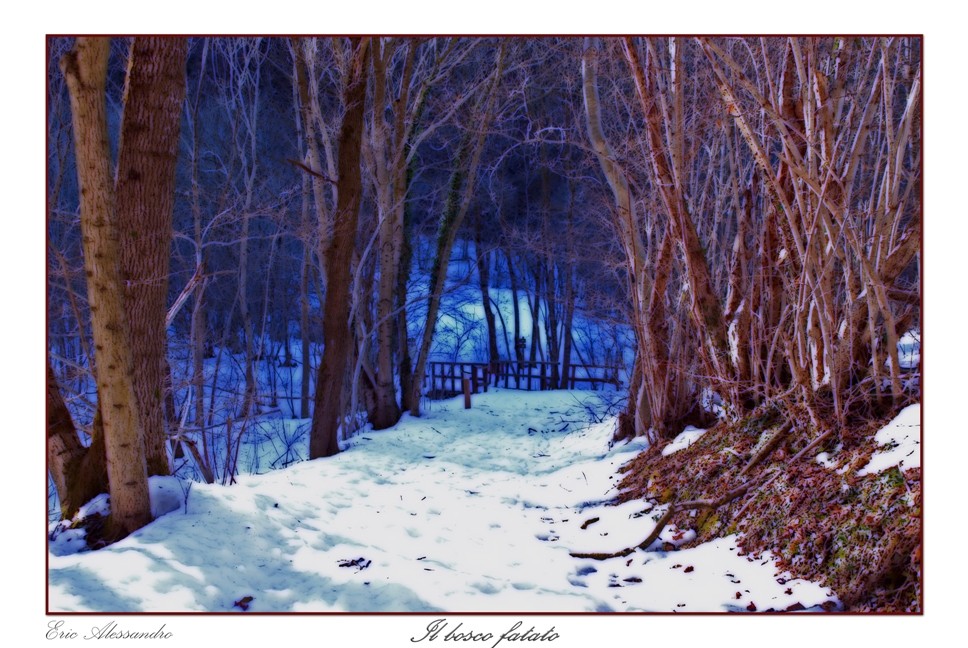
<point>458,510</point>
<point>841,508</point>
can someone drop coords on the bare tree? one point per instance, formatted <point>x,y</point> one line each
<point>323,440</point>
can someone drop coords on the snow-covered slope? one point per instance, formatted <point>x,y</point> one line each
<point>459,511</point>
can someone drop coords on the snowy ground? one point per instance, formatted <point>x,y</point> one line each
<point>458,511</point>
<point>899,443</point>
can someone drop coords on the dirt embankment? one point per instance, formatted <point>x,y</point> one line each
<point>759,477</point>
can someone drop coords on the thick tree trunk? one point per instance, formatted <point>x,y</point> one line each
<point>63,446</point>
<point>337,337</point>
<point>85,68</point>
<point>389,197</point>
<point>154,95</point>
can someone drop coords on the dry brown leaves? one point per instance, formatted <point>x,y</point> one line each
<point>860,536</point>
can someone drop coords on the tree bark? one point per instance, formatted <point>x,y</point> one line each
<point>337,337</point>
<point>154,95</point>
<point>85,69</point>
<point>390,209</point>
<point>79,473</point>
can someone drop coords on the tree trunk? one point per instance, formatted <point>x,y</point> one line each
<point>513,277</point>
<point>199,322</point>
<point>403,329</point>
<point>484,281</point>
<point>304,270</point>
<point>552,335</point>
<point>568,273</point>
<point>534,304</point>
<point>301,99</point>
<point>154,95</point>
<point>389,197</point>
<point>85,69</point>
<point>79,472</point>
<point>637,416</point>
<point>454,212</point>
<point>337,337</point>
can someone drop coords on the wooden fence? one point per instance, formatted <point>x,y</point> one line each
<point>445,379</point>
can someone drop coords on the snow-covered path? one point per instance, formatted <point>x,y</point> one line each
<point>459,511</point>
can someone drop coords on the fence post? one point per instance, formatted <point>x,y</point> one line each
<point>467,391</point>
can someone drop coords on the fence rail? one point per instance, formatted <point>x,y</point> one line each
<point>445,379</point>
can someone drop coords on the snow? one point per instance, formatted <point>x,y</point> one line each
<point>826,459</point>
<point>899,443</point>
<point>459,510</point>
<point>909,349</point>
<point>685,439</point>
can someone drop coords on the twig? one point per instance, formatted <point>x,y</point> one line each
<point>311,172</point>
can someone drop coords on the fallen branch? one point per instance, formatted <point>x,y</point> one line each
<point>199,460</point>
<point>659,526</point>
<point>767,448</point>
<point>810,446</point>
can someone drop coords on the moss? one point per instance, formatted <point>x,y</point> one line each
<point>893,477</point>
<point>707,522</point>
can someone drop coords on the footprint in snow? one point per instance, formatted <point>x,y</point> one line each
<point>486,588</point>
